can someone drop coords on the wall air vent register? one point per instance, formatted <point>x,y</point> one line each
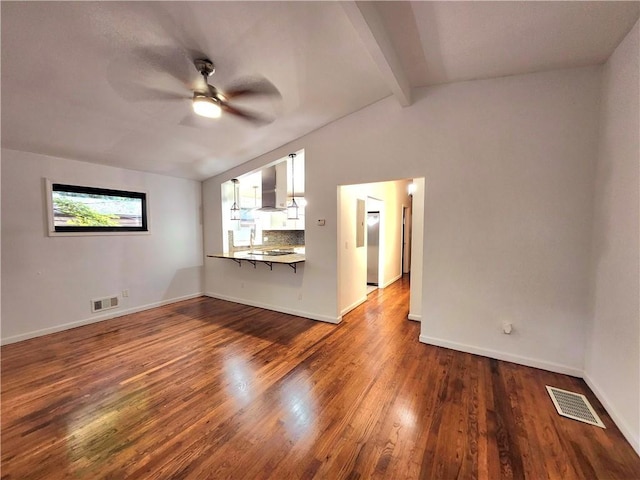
<point>107,303</point>
<point>574,405</point>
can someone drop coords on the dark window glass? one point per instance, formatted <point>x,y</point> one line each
<point>88,209</point>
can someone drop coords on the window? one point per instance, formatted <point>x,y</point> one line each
<point>79,209</point>
<point>263,197</point>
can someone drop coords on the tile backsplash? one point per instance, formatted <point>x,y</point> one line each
<point>283,237</point>
<point>273,238</point>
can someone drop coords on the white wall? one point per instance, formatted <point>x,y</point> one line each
<point>48,282</point>
<point>508,216</point>
<point>352,281</point>
<point>613,354</point>
<point>352,261</point>
<point>417,249</point>
<point>508,166</point>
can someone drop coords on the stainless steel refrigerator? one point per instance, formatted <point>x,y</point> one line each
<point>373,247</point>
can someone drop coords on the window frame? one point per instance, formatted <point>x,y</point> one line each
<point>75,230</point>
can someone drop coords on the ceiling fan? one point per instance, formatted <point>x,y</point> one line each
<point>210,102</point>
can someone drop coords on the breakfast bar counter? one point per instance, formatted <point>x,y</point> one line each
<point>291,257</point>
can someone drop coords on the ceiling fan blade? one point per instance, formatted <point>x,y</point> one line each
<point>151,94</point>
<point>177,22</point>
<point>135,77</point>
<point>213,91</point>
<point>246,115</point>
<point>139,90</point>
<point>193,120</point>
<point>250,87</point>
<point>172,61</point>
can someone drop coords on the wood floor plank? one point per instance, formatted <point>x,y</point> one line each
<point>208,389</point>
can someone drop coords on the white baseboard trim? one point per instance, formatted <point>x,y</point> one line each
<point>94,319</point>
<point>394,279</point>
<point>355,304</point>
<point>276,308</point>
<point>632,438</point>
<point>507,357</point>
<point>414,317</point>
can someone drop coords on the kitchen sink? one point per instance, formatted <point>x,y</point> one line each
<point>271,253</point>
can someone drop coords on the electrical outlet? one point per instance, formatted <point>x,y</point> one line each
<point>125,292</point>
<point>300,296</point>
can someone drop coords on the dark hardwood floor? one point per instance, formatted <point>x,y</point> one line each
<point>207,389</point>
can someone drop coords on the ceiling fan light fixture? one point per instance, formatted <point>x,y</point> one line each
<point>206,106</point>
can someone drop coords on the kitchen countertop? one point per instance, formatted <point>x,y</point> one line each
<point>261,254</point>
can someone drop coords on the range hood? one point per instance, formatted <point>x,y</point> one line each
<point>269,180</point>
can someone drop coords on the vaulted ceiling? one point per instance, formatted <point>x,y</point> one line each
<point>110,82</point>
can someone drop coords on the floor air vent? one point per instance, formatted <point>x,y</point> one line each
<point>574,405</point>
<point>104,303</point>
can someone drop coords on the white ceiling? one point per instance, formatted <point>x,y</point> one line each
<point>88,80</point>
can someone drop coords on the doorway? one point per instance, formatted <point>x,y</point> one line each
<point>355,263</point>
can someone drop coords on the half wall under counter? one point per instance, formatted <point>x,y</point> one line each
<point>291,257</point>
